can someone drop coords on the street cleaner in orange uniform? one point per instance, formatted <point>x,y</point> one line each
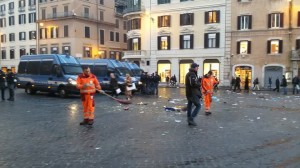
<point>208,83</point>
<point>88,84</point>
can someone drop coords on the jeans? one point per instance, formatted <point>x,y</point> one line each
<point>284,90</point>
<point>196,101</point>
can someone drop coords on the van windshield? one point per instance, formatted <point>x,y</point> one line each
<point>72,69</point>
<point>137,72</point>
<point>123,71</point>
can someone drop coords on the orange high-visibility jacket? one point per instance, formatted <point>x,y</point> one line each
<point>208,84</point>
<point>90,82</point>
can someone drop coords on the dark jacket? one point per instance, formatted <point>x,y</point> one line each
<point>295,81</point>
<point>2,79</point>
<point>11,78</point>
<point>284,82</point>
<point>192,84</point>
<point>113,84</point>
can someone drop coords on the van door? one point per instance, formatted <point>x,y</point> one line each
<point>33,70</point>
<point>100,70</point>
<point>46,74</point>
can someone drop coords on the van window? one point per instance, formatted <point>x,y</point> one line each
<point>33,67</point>
<point>100,70</point>
<point>46,67</point>
<point>22,66</point>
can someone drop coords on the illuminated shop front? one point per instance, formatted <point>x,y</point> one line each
<point>213,65</point>
<point>164,69</point>
<point>184,66</point>
<point>243,71</point>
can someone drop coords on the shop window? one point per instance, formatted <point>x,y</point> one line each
<point>212,17</point>
<point>244,22</point>
<point>163,42</point>
<point>244,47</point>
<point>87,52</point>
<point>211,40</point>
<point>274,47</point>
<point>275,20</point>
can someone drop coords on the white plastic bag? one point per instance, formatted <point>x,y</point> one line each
<point>118,91</point>
<point>133,87</point>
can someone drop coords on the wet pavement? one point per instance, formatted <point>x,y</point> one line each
<point>259,129</point>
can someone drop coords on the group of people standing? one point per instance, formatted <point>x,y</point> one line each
<point>150,83</point>
<point>7,81</point>
<point>197,89</point>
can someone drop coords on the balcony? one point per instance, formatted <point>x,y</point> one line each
<point>31,8</point>
<point>2,13</point>
<point>295,55</point>
<point>135,54</point>
<point>11,11</point>
<point>21,9</point>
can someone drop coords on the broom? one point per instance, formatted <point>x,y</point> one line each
<point>118,100</point>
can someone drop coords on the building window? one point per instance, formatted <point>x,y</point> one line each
<point>54,32</point>
<point>66,10</point>
<point>244,47</point>
<point>134,44</point>
<point>43,14</point>
<point>54,13</point>
<point>43,50</point>
<point>87,32</point>
<point>101,2</point>
<point>117,23</point>
<point>186,19</point>
<point>102,37</point>
<point>3,52</point>
<point>32,35</point>
<point>124,25</point>
<point>31,2</point>
<point>22,52</point>
<point>134,24</point>
<point>125,38</point>
<point>54,50</point>
<point>22,19</point>
<point>2,9</point>
<point>43,33</point>
<point>12,54</point>
<point>101,15</point>
<point>117,37</point>
<point>2,22</point>
<point>274,46</point>
<point>163,1</point>
<point>21,3</point>
<point>66,31</point>
<point>66,50</point>
<point>244,22</point>
<point>32,17</point>
<point>86,12</point>
<point>275,20</point>
<point>3,38</point>
<point>164,21</point>
<point>187,41</point>
<point>87,52</point>
<point>11,6</point>
<point>12,37</point>
<point>298,44</point>
<point>111,36</point>
<point>32,51</point>
<point>22,36</point>
<point>11,20</point>
<point>212,17</point>
<point>163,43</point>
<point>211,40</point>
<point>299,19</point>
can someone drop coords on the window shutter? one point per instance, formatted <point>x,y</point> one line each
<point>206,17</point>
<point>159,21</point>
<point>297,44</point>
<point>181,41</point>
<point>139,21</point>
<point>158,43</point>
<point>280,46</point>
<point>192,41</point>
<point>281,19</point>
<point>299,19</point>
<point>217,40</point>
<point>239,22</point>
<point>206,40</point>
<point>20,36</point>
<point>139,43</point>
<point>169,20</point>
<point>129,44</point>
<point>169,42</point>
<point>218,16</point>
<point>238,47</point>
<point>269,20</point>
<point>192,18</point>
<point>249,47</point>
<point>239,0</point>
<point>269,47</point>
<point>181,19</point>
<point>250,22</point>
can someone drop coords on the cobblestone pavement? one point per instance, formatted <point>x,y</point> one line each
<point>259,129</point>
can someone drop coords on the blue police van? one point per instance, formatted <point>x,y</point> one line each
<point>102,68</point>
<point>52,73</point>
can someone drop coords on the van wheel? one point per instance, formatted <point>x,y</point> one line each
<point>30,90</point>
<point>62,92</point>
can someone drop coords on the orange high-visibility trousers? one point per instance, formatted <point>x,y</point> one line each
<point>207,101</point>
<point>88,106</point>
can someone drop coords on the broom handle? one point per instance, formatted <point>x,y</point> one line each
<point>107,95</point>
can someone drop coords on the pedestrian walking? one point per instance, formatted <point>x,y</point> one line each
<point>2,84</point>
<point>295,83</point>
<point>255,84</point>
<point>88,84</point>
<point>277,84</point>
<point>157,79</point>
<point>208,83</point>
<point>270,83</point>
<point>128,84</point>
<point>284,85</point>
<point>11,84</point>
<point>232,83</point>
<point>247,84</point>
<point>167,80</point>
<point>113,85</point>
<point>193,93</point>
<point>237,84</point>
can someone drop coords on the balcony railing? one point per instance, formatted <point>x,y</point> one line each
<point>21,9</point>
<point>11,11</point>
<point>130,9</point>
<point>32,7</point>
<point>135,54</point>
<point>2,13</point>
<point>295,55</point>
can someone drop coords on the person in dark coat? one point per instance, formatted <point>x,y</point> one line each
<point>232,83</point>
<point>11,84</point>
<point>295,83</point>
<point>277,84</point>
<point>284,85</point>
<point>247,84</point>
<point>156,79</point>
<point>193,93</point>
<point>237,84</point>
<point>2,84</point>
<point>113,85</point>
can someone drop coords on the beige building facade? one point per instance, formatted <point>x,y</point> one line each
<point>265,40</point>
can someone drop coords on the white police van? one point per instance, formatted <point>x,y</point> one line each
<point>51,73</point>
